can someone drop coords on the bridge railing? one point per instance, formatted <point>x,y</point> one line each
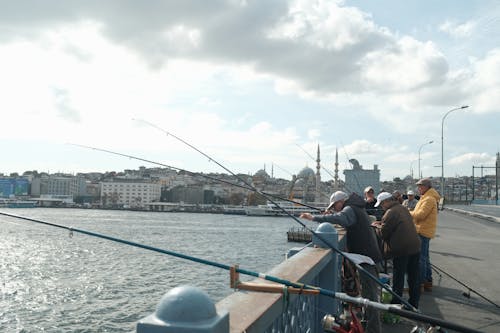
<point>245,311</point>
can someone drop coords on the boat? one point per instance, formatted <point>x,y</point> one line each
<point>233,210</point>
<point>281,208</point>
<point>17,203</point>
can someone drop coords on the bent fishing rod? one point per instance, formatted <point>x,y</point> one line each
<point>392,308</point>
<point>253,188</point>
<point>194,174</point>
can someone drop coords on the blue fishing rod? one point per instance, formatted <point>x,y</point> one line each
<point>392,308</point>
<point>253,188</point>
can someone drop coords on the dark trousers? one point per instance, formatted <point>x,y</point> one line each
<point>408,265</point>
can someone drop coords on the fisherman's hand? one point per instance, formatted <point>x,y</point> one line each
<point>307,216</point>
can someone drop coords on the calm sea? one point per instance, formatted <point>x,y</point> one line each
<point>51,282</point>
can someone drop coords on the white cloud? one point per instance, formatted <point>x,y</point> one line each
<point>458,30</point>
<point>469,158</point>
<point>404,66</point>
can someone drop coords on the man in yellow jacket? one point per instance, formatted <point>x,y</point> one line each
<point>425,219</point>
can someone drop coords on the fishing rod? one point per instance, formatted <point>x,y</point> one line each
<point>469,289</point>
<point>192,173</point>
<point>330,245</point>
<point>392,308</point>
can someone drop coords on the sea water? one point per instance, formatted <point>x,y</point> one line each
<point>52,281</point>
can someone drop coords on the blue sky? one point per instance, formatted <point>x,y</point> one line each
<point>248,82</point>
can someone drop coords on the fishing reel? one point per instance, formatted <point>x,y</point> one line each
<point>342,323</point>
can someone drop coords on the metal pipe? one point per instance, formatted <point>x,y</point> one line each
<point>442,144</point>
<point>419,150</point>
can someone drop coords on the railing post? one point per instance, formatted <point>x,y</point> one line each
<point>185,309</point>
<point>330,276</point>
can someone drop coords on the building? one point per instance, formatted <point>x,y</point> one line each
<point>357,179</point>
<point>132,193</point>
<point>13,187</point>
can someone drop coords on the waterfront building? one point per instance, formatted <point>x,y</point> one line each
<point>132,193</point>
<point>357,178</point>
<point>13,187</point>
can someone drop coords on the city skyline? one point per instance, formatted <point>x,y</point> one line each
<point>263,84</point>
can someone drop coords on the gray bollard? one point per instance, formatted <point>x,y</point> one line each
<point>185,309</point>
<point>328,232</point>
<point>330,276</point>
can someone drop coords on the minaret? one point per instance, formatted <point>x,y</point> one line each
<point>336,178</point>
<point>318,177</point>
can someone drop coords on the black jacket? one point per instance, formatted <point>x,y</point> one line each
<point>360,236</point>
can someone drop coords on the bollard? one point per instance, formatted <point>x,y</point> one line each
<point>185,309</point>
<point>330,276</point>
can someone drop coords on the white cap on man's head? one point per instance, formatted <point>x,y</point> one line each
<point>381,197</point>
<point>336,196</point>
<point>368,188</point>
<point>410,193</point>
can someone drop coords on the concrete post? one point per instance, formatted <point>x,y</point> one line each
<point>185,309</point>
<point>330,276</point>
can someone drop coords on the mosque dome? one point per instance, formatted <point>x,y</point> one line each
<point>262,174</point>
<point>306,173</point>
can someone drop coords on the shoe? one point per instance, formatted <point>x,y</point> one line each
<point>428,286</point>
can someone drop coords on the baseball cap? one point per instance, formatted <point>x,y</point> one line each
<point>336,196</point>
<point>381,197</point>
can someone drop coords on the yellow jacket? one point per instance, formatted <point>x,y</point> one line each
<point>425,213</point>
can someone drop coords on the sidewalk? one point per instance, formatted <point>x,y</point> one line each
<point>469,255</point>
<point>474,212</point>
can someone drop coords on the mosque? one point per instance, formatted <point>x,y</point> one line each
<point>307,187</point>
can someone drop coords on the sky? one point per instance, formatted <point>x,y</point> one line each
<point>212,86</point>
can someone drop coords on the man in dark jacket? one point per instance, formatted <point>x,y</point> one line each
<point>349,212</point>
<point>398,231</point>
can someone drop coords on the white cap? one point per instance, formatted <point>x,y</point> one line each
<point>337,196</point>
<point>381,197</point>
<point>410,193</point>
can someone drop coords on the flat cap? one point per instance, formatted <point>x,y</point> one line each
<point>425,182</point>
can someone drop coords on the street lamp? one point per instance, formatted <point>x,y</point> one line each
<point>442,142</point>
<point>419,150</point>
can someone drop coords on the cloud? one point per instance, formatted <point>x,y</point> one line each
<point>319,45</point>
<point>476,158</point>
<point>458,30</point>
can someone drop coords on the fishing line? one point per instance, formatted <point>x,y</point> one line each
<point>393,308</point>
<point>192,173</point>
<point>469,289</point>
<point>335,249</point>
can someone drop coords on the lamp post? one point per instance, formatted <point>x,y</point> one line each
<point>419,150</point>
<point>442,142</point>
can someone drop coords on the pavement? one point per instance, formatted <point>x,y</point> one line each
<point>464,253</point>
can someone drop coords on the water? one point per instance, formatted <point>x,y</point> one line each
<point>51,282</point>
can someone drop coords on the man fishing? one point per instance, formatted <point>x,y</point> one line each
<point>425,219</point>
<point>350,213</point>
